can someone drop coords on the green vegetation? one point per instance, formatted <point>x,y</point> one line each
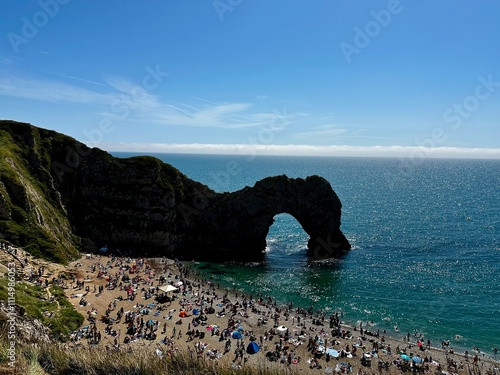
<point>58,314</point>
<point>34,240</point>
<point>30,215</point>
<point>54,359</point>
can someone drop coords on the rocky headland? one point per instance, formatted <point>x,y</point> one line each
<point>58,197</point>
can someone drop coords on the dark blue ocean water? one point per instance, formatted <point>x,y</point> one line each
<point>425,236</point>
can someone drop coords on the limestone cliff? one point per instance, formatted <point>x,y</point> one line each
<point>69,197</point>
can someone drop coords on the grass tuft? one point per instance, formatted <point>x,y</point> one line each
<point>58,359</point>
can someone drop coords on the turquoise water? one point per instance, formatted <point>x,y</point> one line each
<point>425,236</point>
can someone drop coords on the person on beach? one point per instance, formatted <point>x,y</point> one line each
<point>252,315</point>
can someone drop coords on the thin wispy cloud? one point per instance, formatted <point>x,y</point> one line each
<point>224,115</point>
<point>260,97</point>
<point>322,131</point>
<point>203,113</point>
<point>6,61</point>
<point>141,105</point>
<point>66,76</point>
<point>49,91</point>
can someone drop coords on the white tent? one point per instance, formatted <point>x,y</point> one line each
<point>167,288</point>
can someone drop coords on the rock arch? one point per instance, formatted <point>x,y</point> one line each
<point>235,225</point>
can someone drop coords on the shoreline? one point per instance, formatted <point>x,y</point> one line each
<point>398,336</point>
<point>389,337</point>
<point>100,273</point>
<point>394,336</point>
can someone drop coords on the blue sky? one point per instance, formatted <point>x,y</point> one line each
<point>336,77</point>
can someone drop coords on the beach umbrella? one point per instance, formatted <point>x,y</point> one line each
<point>416,359</point>
<point>405,357</point>
<point>252,348</point>
<point>168,288</point>
<point>196,312</point>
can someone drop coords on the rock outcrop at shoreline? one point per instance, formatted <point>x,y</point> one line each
<point>58,196</point>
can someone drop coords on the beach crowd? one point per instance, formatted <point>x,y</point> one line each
<point>167,307</point>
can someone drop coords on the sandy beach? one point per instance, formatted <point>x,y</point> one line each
<point>126,309</point>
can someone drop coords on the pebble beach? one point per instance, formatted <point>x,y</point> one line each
<point>131,304</point>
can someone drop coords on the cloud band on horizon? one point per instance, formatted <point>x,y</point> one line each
<point>306,150</point>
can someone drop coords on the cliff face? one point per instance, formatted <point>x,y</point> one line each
<point>68,197</point>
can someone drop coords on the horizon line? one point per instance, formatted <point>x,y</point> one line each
<point>417,152</point>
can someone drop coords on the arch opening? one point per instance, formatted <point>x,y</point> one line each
<point>285,237</point>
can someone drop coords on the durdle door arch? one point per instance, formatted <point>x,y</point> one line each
<point>235,225</point>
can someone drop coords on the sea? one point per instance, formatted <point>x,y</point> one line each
<point>425,236</point>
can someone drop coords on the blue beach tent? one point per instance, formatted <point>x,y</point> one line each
<point>236,335</point>
<point>252,348</point>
